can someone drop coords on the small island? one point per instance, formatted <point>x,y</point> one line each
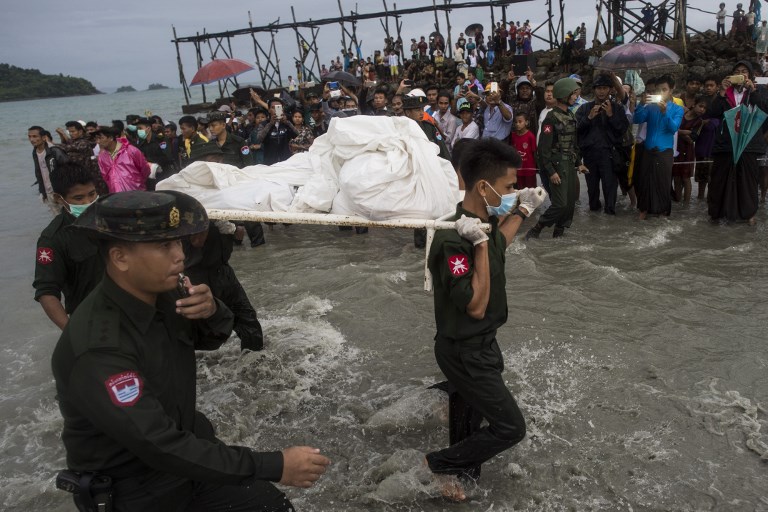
<point>28,84</point>
<point>156,87</point>
<point>126,88</point>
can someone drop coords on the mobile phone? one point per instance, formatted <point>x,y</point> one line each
<point>181,285</point>
<point>278,110</point>
<point>736,79</point>
<point>333,86</point>
<point>653,98</point>
<point>408,82</point>
<point>761,80</point>
<point>494,86</point>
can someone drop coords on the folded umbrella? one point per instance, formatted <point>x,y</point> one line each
<point>743,122</point>
<point>343,77</point>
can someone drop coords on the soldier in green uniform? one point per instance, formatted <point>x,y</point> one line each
<point>470,305</point>
<point>67,262</point>
<point>559,157</point>
<point>413,106</point>
<point>236,150</point>
<point>125,376</point>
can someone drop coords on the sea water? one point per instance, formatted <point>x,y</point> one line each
<point>637,351</point>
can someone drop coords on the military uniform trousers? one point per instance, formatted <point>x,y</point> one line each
<point>474,367</point>
<point>601,171</point>
<point>563,196</point>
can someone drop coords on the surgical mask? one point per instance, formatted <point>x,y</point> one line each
<point>508,201</point>
<point>77,209</point>
<point>142,134</point>
<point>131,128</point>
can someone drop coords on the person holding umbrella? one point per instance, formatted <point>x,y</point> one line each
<point>733,186</point>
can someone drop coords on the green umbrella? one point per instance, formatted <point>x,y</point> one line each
<point>743,123</point>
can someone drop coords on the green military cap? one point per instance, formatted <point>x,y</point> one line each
<point>141,216</point>
<point>199,151</point>
<point>218,116</point>
<point>414,102</point>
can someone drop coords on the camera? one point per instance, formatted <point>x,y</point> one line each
<point>335,89</point>
<point>736,79</point>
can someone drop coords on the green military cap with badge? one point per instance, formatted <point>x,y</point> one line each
<point>414,102</point>
<point>142,216</point>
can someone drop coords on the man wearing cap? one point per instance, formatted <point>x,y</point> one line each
<point>125,375</point>
<point>579,100</point>
<point>468,128</point>
<point>236,150</point>
<point>413,106</point>
<point>526,98</point>
<point>558,156</point>
<point>318,117</point>
<point>601,125</point>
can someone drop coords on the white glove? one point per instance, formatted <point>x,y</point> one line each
<point>225,227</point>
<point>530,198</point>
<point>469,229</point>
<point>153,170</point>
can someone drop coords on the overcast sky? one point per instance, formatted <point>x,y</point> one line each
<point>115,43</point>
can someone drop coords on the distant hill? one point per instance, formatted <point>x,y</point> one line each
<point>26,84</point>
<point>126,88</point>
<point>155,87</point>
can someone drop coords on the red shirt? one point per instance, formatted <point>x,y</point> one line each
<point>525,145</point>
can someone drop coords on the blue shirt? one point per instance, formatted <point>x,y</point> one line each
<point>661,128</point>
<point>495,125</point>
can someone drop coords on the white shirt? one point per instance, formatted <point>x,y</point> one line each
<point>448,123</point>
<point>394,60</point>
<point>471,131</point>
<point>721,14</point>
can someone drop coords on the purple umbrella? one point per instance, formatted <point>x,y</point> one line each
<point>639,55</point>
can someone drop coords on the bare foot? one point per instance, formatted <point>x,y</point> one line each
<point>450,486</point>
<point>643,215</point>
<point>752,221</point>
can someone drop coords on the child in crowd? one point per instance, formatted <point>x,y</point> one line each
<point>524,142</point>
<point>689,131</point>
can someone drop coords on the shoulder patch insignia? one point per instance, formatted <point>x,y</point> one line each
<point>547,128</point>
<point>44,255</point>
<point>458,264</point>
<point>124,389</point>
<point>163,145</point>
<point>245,150</point>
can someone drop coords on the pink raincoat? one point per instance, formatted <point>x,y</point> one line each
<point>127,171</point>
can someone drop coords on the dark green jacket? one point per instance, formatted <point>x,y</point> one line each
<point>125,380</point>
<point>451,262</point>
<point>67,263</point>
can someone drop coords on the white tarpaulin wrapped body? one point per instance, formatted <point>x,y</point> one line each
<point>374,167</point>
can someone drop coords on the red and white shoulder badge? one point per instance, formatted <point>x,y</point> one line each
<point>458,264</point>
<point>44,255</point>
<point>547,128</point>
<point>124,388</point>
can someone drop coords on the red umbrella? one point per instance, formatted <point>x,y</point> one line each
<point>220,69</point>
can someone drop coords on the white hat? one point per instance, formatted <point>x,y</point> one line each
<point>225,108</point>
<point>417,92</point>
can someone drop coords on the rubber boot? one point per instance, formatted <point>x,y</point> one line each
<point>534,232</point>
<point>558,232</point>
